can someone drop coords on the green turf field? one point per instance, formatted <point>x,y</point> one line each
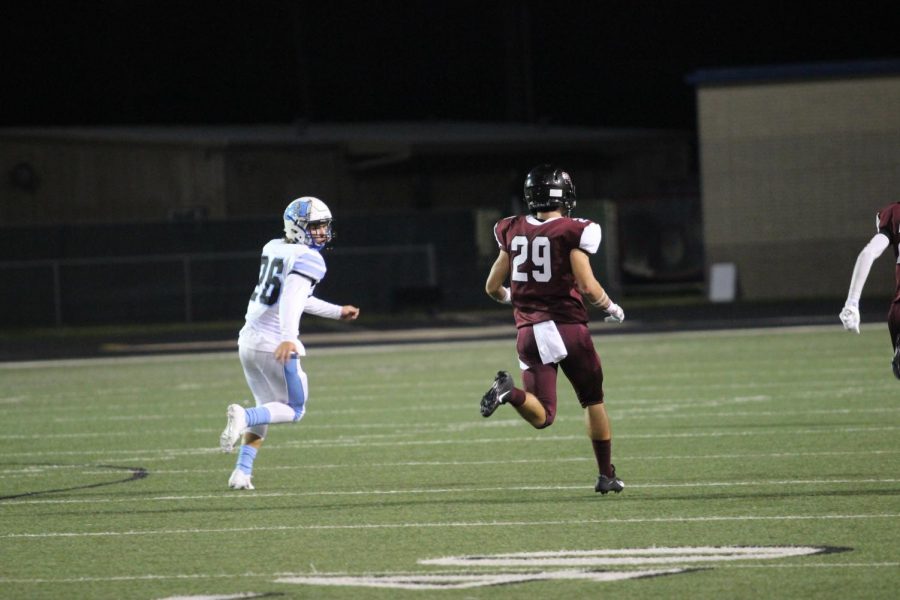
<point>758,464</point>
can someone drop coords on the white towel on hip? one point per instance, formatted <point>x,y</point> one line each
<point>549,342</point>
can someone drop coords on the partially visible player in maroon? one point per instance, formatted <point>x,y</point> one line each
<point>887,233</point>
<point>545,257</point>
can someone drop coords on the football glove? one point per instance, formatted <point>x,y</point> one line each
<point>850,318</point>
<point>616,314</point>
<point>506,296</point>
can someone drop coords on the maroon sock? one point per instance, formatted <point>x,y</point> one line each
<point>603,452</point>
<point>516,397</point>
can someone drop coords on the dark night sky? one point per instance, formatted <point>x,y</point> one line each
<point>600,63</point>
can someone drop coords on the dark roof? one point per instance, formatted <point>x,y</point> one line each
<point>824,70</point>
<point>330,133</point>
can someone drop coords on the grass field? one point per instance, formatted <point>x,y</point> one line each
<point>781,442</point>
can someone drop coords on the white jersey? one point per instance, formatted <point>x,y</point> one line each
<point>288,273</point>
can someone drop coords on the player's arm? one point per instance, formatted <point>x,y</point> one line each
<point>294,294</point>
<point>349,312</point>
<point>590,288</point>
<point>322,308</point>
<point>499,272</point>
<point>850,314</point>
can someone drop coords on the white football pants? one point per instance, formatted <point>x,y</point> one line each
<point>282,389</point>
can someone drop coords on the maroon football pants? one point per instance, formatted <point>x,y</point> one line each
<point>581,367</point>
<point>894,321</point>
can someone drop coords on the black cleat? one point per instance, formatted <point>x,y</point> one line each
<point>609,484</point>
<point>498,394</point>
<point>895,362</point>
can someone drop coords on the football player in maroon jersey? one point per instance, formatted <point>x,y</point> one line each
<point>887,233</point>
<point>545,256</point>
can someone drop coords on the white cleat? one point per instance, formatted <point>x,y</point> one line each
<point>240,481</point>
<point>237,423</point>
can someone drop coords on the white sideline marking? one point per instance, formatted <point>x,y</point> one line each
<point>428,581</point>
<point>592,565</point>
<point>607,338</point>
<point>624,556</point>
<point>217,597</point>
<point>460,490</point>
<point>816,566</point>
<point>452,524</point>
<point>189,576</point>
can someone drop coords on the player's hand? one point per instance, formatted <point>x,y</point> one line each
<point>850,318</point>
<point>285,351</point>
<point>349,312</point>
<point>616,314</point>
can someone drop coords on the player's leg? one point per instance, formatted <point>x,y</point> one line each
<point>252,361</point>
<point>258,374</point>
<point>280,392</point>
<point>536,403</point>
<point>243,468</point>
<point>504,391</point>
<point>583,369</point>
<point>539,406</point>
<point>286,399</point>
<point>894,329</point>
<point>500,392</point>
<point>539,380</point>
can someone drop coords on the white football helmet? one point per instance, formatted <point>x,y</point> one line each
<point>303,213</point>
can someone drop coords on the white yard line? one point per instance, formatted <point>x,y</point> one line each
<point>622,395</point>
<point>39,470</point>
<point>813,566</point>
<point>393,441</point>
<point>450,524</point>
<point>238,496</point>
<point>631,415</point>
<point>190,576</point>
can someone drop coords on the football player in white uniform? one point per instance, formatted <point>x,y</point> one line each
<point>269,345</point>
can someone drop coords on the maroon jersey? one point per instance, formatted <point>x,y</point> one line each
<point>540,271</point>
<point>888,223</point>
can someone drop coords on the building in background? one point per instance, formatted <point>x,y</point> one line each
<point>150,174</point>
<point>167,213</point>
<point>795,161</point>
